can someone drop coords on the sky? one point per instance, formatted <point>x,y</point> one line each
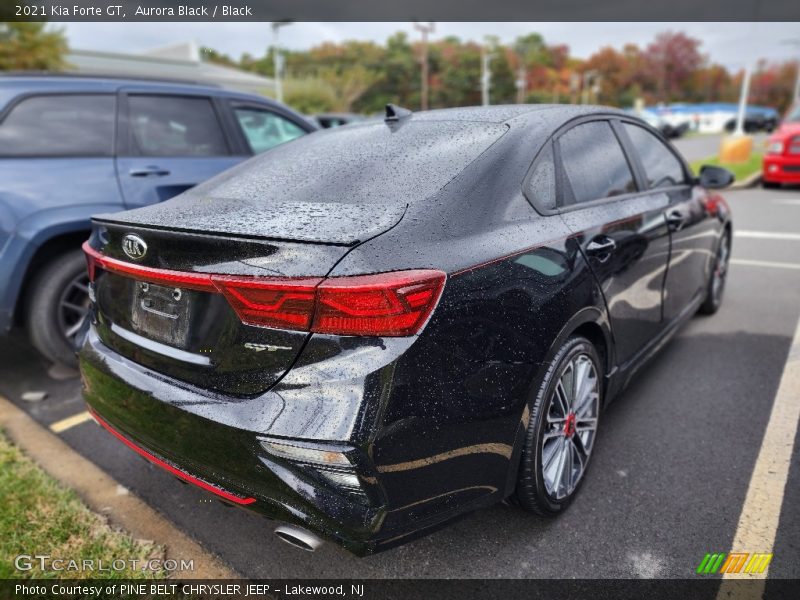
<point>730,44</point>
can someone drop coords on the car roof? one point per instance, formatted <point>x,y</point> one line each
<point>512,112</point>
<point>12,85</point>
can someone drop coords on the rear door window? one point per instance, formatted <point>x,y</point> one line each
<point>174,126</point>
<point>265,129</point>
<point>661,166</point>
<point>594,164</point>
<point>60,125</point>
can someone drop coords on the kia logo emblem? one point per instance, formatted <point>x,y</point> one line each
<point>134,246</point>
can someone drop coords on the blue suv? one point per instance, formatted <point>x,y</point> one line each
<point>71,147</point>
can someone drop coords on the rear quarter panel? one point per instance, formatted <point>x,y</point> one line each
<point>448,415</point>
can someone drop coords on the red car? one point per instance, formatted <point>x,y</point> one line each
<point>782,159</point>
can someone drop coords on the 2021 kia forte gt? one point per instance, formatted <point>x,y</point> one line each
<point>368,331</point>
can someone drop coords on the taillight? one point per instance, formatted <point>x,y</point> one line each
<point>282,303</point>
<point>390,304</point>
<point>386,304</point>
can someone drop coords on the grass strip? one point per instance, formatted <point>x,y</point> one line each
<point>38,516</point>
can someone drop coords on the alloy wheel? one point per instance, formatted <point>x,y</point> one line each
<point>720,270</point>
<point>73,306</point>
<point>571,427</point>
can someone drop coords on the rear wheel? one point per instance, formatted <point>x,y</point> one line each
<point>562,430</point>
<point>58,307</point>
<point>719,275</point>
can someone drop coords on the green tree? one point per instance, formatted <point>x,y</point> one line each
<point>214,56</point>
<point>349,85</point>
<point>400,83</point>
<point>31,47</point>
<point>455,73</point>
<point>310,96</point>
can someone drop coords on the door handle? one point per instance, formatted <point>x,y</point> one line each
<point>601,247</point>
<point>148,171</point>
<point>676,220</point>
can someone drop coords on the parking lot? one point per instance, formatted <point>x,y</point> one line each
<point>669,477</point>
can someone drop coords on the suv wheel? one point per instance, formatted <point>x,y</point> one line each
<point>562,430</point>
<point>58,307</point>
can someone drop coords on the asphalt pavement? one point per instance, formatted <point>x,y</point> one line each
<point>666,485</point>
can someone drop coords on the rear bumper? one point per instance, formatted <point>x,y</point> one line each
<point>217,442</point>
<point>189,434</point>
<point>781,169</point>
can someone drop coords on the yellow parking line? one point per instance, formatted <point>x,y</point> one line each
<point>69,422</point>
<point>758,521</point>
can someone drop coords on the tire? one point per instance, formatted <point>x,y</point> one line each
<point>715,288</point>
<point>545,485</point>
<point>770,185</point>
<point>57,305</point>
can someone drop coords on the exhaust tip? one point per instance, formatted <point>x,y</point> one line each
<point>298,537</point>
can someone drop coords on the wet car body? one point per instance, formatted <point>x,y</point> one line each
<point>430,425</point>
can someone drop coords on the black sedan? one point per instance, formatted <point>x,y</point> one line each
<point>366,332</point>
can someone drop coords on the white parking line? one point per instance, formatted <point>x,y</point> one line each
<point>758,521</point>
<point>764,263</point>
<point>69,422</point>
<point>767,235</point>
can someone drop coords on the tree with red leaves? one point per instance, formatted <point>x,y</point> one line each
<point>672,58</point>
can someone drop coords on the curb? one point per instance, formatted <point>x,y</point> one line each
<point>751,181</point>
<point>105,496</point>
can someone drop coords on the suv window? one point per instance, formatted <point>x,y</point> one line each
<point>661,166</point>
<point>594,164</point>
<point>265,129</point>
<point>542,183</point>
<point>174,126</point>
<point>65,125</point>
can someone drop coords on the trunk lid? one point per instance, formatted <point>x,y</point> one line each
<point>189,332</point>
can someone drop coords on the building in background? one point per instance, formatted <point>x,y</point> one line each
<point>180,61</point>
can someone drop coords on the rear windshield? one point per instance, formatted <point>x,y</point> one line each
<point>360,164</point>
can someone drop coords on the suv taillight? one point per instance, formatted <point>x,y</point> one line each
<point>390,304</point>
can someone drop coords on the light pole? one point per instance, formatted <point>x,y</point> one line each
<point>486,74</point>
<point>424,30</point>
<point>522,81</point>
<point>522,72</point>
<point>739,147</point>
<point>277,59</point>
<point>745,92</point>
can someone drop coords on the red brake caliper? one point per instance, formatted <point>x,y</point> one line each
<point>569,425</point>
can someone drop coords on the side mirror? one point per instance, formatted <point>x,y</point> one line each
<point>712,177</point>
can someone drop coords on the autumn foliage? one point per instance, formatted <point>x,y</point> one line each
<point>362,76</point>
